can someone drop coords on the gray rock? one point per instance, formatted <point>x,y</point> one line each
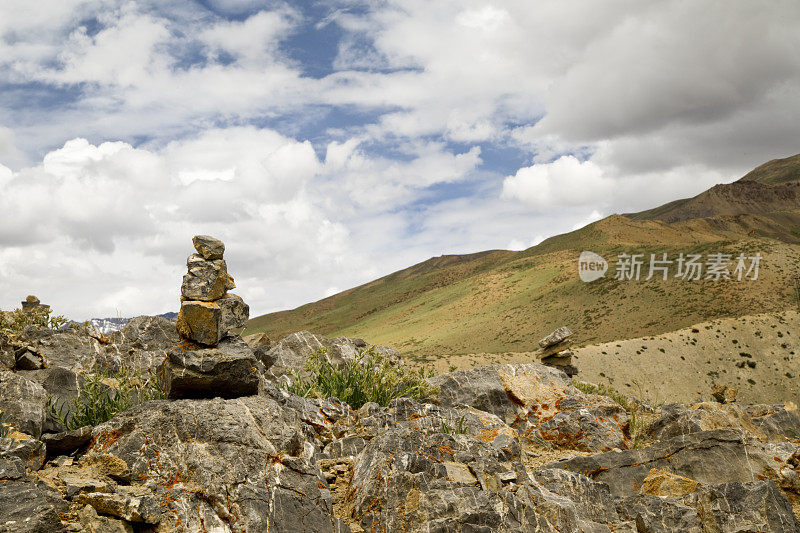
<point>209,322</point>
<point>206,280</point>
<point>63,348</point>
<point>752,506</point>
<point>148,333</point>
<point>709,457</point>
<point>134,504</point>
<point>557,337</point>
<point>91,522</point>
<point>28,361</point>
<point>234,314</point>
<point>61,386</point>
<point>241,465</point>
<point>227,370</point>
<point>775,421</point>
<point>11,468</point>
<point>654,514</point>
<point>208,247</point>
<point>31,452</point>
<point>67,441</point>
<point>27,507</point>
<point>540,402</point>
<point>23,402</point>
<point>7,359</point>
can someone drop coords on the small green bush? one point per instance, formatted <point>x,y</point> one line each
<point>17,321</point>
<point>5,425</point>
<point>367,378</point>
<point>97,402</point>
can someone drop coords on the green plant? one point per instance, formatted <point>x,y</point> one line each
<point>460,429</point>
<point>17,321</point>
<point>97,401</point>
<point>639,416</point>
<point>5,425</point>
<point>369,377</point>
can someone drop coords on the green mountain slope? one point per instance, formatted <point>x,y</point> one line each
<point>500,301</point>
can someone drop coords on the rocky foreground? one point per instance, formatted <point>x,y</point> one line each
<point>500,448</point>
<point>229,449</point>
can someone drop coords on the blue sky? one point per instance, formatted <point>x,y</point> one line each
<point>329,143</point>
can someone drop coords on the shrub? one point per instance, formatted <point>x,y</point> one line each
<point>17,321</point>
<point>98,402</point>
<point>369,377</point>
<point>640,416</point>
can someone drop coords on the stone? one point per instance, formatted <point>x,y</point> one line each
<point>206,280</point>
<point>27,507</point>
<point>208,247</point>
<point>62,386</point>
<point>775,421</point>
<point>209,322</point>
<point>108,465</point>
<point>64,348</point>
<point>91,522</point>
<point>557,337</point>
<point>67,441</point>
<point>747,506</point>
<point>227,370</point>
<point>241,464</point>
<point>133,504</point>
<point>258,340</point>
<point>148,333</point>
<point>7,359</point>
<point>539,402</point>
<point>30,451</point>
<point>29,361</point>
<point>654,514</point>
<point>23,402</point>
<point>677,419</point>
<point>724,394</point>
<point>32,304</point>
<point>707,457</point>
<point>666,485</point>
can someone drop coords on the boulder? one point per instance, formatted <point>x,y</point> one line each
<point>61,386</point>
<point>91,522</point>
<point>66,441</point>
<point>7,359</point>
<point>148,333</point>
<point>229,465</point>
<point>29,451</point>
<point>664,484</point>
<point>64,348</point>
<point>541,403</point>
<point>227,370</point>
<point>748,506</point>
<point>677,419</point>
<point>707,457</point>
<point>133,504</point>
<point>23,402</point>
<point>208,247</point>
<point>27,507</point>
<point>724,394</point>
<point>775,421</point>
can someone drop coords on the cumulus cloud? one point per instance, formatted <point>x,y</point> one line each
<point>564,182</point>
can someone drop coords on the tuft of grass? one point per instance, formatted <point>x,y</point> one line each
<point>98,402</point>
<point>640,416</point>
<point>5,425</point>
<point>367,378</point>
<point>460,429</point>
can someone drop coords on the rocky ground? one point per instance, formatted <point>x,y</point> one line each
<point>512,447</point>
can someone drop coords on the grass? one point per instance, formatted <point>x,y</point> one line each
<point>17,321</point>
<point>640,417</point>
<point>97,402</point>
<point>459,429</point>
<point>366,378</point>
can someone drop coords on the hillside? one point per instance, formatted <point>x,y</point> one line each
<point>501,301</point>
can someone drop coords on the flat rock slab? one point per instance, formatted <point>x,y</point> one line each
<point>23,402</point>
<point>229,370</point>
<point>66,441</point>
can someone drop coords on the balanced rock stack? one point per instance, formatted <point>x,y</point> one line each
<point>32,304</point>
<point>212,360</point>
<point>554,351</point>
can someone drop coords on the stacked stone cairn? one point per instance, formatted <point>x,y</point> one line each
<point>554,351</point>
<point>32,304</point>
<point>212,360</point>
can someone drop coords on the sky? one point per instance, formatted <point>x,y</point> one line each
<point>329,143</point>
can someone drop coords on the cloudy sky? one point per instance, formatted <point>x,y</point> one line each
<point>329,143</point>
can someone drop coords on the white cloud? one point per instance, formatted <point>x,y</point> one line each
<point>564,182</point>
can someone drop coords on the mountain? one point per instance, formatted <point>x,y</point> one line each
<point>110,325</point>
<point>499,301</point>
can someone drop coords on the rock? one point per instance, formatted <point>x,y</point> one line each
<point>208,247</point>
<point>7,359</point>
<point>30,451</point>
<point>93,523</point>
<point>557,337</point>
<point>29,361</point>
<point>66,441</point>
<point>229,465</point>
<point>775,421</point>
<point>539,402</point>
<point>65,349</point>
<point>678,420</point>
<point>11,468</point>
<point>227,370</point>
<point>290,354</point>
<point>134,504</point>
<point>748,506</point>
<point>206,280</point>
<point>258,340</point>
<point>725,394</point>
<point>27,507</point>
<point>108,465</point>
<point>23,402</point>
<point>654,514</point>
<point>148,333</point>
<point>707,457</point>
<point>209,322</point>
<point>663,484</point>
<point>61,386</point>
<point>33,304</point>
